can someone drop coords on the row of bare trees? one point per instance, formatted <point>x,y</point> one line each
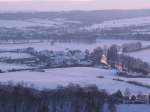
<point>72,98</point>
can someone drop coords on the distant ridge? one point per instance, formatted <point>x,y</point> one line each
<point>95,15</point>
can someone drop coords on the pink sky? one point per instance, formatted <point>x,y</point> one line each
<point>41,5</point>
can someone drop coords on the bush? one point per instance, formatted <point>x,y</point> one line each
<point>117,79</point>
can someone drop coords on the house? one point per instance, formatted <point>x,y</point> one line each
<point>104,60</point>
<point>126,100</point>
<point>61,58</point>
<point>122,73</point>
<point>58,58</point>
<point>142,99</point>
<point>119,67</point>
<point>147,71</point>
<point>78,55</point>
<point>139,99</point>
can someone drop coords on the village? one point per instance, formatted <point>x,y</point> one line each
<point>38,61</point>
<point>112,57</point>
<point>128,98</point>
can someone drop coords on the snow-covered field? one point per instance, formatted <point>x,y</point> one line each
<point>64,46</point>
<point>133,108</point>
<point>129,108</point>
<point>58,22</point>
<point>139,21</point>
<point>6,66</point>
<point>84,76</point>
<point>143,55</point>
<point>35,22</point>
<point>15,55</point>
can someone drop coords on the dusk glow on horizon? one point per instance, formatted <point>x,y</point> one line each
<point>43,5</point>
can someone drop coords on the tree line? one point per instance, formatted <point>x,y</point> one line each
<point>73,98</point>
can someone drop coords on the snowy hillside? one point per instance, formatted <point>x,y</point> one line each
<point>6,66</point>
<point>85,76</point>
<point>140,21</point>
<point>15,55</point>
<point>143,55</point>
<point>63,46</point>
<point>132,108</point>
<point>36,22</point>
